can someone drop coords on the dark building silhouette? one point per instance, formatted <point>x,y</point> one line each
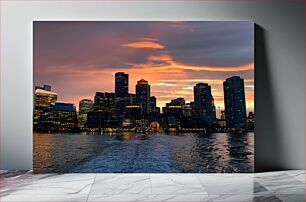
<point>85,106</point>
<point>96,120</point>
<point>175,111</point>
<point>143,95</point>
<point>193,124</point>
<point>152,103</point>
<point>153,107</point>
<point>104,102</point>
<point>187,110</point>
<point>204,102</point>
<point>121,84</point>
<point>133,112</point>
<point>122,111</point>
<point>177,102</point>
<point>234,101</point>
<point>251,122</point>
<point>175,107</point>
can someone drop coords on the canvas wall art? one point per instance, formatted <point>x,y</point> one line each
<point>143,97</point>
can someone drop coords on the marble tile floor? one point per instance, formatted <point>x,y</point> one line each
<point>23,186</point>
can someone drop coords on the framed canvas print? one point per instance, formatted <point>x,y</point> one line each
<point>143,97</point>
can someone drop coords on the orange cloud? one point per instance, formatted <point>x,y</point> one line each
<point>171,65</point>
<point>178,66</point>
<point>159,58</point>
<point>144,44</point>
<point>214,69</point>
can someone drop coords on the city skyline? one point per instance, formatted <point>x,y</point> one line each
<point>129,93</point>
<point>142,81</point>
<point>121,110</point>
<point>78,67</point>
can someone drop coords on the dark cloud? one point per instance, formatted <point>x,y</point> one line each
<point>213,43</point>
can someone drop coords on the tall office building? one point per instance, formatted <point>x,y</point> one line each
<point>43,97</point>
<point>121,84</point>
<point>234,101</point>
<point>143,95</point>
<point>204,102</point>
<point>85,106</point>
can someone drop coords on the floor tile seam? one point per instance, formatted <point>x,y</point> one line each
<point>91,187</point>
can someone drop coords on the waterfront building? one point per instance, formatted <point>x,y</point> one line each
<point>187,110</point>
<point>43,97</point>
<point>121,84</point>
<point>193,124</point>
<point>234,101</point>
<point>143,95</point>
<point>60,116</point>
<point>204,102</point>
<point>85,106</point>
<point>105,102</point>
<point>251,122</point>
<point>133,112</point>
<point>174,110</point>
<point>174,107</point>
<point>96,120</point>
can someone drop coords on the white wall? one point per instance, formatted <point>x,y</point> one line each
<point>279,74</point>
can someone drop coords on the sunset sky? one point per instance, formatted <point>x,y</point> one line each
<point>80,58</point>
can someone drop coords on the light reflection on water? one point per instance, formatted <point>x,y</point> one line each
<point>139,153</point>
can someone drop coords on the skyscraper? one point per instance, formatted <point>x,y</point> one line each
<point>234,101</point>
<point>121,84</point>
<point>143,95</point>
<point>85,106</point>
<point>204,102</point>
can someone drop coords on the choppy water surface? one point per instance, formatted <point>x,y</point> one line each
<point>139,153</point>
